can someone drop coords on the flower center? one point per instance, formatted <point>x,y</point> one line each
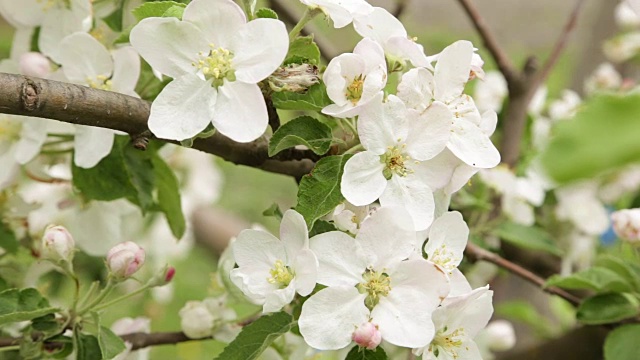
<point>395,160</point>
<point>444,258</point>
<point>9,129</point>
<point>447,342</point>
<point>354,90</point>
<point>216,65</point>
<point>281,274</point>
<point>101,82</point>
<point>375,285</point>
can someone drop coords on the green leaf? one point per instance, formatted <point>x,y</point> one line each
<point>155,9</point>
<point>602,136</point>
<point>174,11</point>
<point>314,99</point>
<point>303,50</point>
<point>321,227</point>
<point>8,240</point>
<point>46,325</point>
<point>528,237</point>
<point>266,13</point>
<point>169,196</point>
<point>88,347</point>
<point>525,313</point>
<point>124,173</point>
<point>319,191</point>
<point>622,343</point>
<point>21,305</point>
<point>607,308</point>
<point>358,353</point>
<point>110,344</point>
<point>596,278</point>
<point>304,130</point>
<point>620,267</point>
<point>274,211</point>
<point>114,20</point>
<point>256,337</point>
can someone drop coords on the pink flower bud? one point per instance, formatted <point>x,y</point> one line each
<point>626,224</point>
<point>162,277</point>
<point>34,64</point>
<point>367,335</point>
<point>168,276</point>
<point>57,244</point>
<point>124,259</point>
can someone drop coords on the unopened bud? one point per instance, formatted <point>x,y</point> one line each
<point>297,78</point>
<point>500,335</point>
<point>57,244</point>
<point>162,277</point>
<point>367,336</point>
<point>34,64</point>
<point>124,259</point>
<point>626,224</point>
<point>196,320</point>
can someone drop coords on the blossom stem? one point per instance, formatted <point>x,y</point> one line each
<point>103,294</point>
<point>351,127</point>
<point>123,297</point>
<point>354,149</point>
<point>308,15</point>
<point>248,8</point>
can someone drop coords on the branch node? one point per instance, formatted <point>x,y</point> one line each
<point>30,95</point>
<point>140,141</point>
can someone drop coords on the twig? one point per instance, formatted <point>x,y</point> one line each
<point>499,56</point>
<point>143,340</point>
<point>76,104</point>
<point>477,253</point>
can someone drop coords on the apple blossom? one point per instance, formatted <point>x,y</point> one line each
<point>129,325</point>
<point>367,336</point>
<point>87,62</point>
<point>354,80</point>
<point>397,141</point>
<point>626,17</point>
<point>579,204</point>
<point>565,107</point>
<point>125,259</point>
<point>604,78</point>
<point>622,47</point>
<point>341,12</point>
<point>270,271</point>
<point>21,139</point>
<point>419,88</point>
<point>457,323</point>
<point>216,59</point>
<point>490,93</point>
<point>626,224</point>
<point>499,335</point>
<point>372,279</point>
<point>57,244</point>
<point>381,26</point>
<point>448,237</point>
<point>195,320</point>
<point>634,5</point>
<point>348,217</point>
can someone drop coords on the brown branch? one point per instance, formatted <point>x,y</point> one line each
<point>505,65</point>
<point>76,104</point>
<point>142,340</point>
<point>477,253</point>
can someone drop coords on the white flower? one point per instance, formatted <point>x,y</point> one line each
<point>565,107</point>
<point>271,271</point>
<point>634,5</point>
<point>457,322</point>
<point>195,320</point>
<point>579,204</point>
<point>604,78</point>
<point>626,17</point>
<point>87,62</point>
<point>216,59</point>
<point>491,92</point>
<point>21,139</point>
<point>626,224</point>
<point>57,244</point>
<point>419,88</point>
<point>623,47</point>
<point>397,140</point>
<point>126,326</point>
<point>353,80</point>
<point>369,279</point>
<point>348,217</point>
<point>341,12</point>
<point>448,237</point>
<point>381,26</point>
<point>499,335</point>
<point>56,18</point>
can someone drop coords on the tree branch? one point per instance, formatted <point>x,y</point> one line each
<point>76,104</point>
<point>477,253</point>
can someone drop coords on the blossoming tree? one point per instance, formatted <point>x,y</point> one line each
<point>393,246</point>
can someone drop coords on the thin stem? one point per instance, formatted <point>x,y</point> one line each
<point>354,149</point>
<point>103,294</point>
<point>308,15</point>
<point>351,126</point>
<point>10,348</point>
<point>123,297</point>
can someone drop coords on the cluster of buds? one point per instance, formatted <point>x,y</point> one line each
<point>297,78</point>
<point>626,224</point>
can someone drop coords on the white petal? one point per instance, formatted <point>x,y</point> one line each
<point>383,124</point>
<point>21,40</point>
<point>91,145</point>
<point>471,311</point>
<point>489,122</point>
<point>240,112</point>
<point>362,181</point>
<point>372,53</point>
<point>30,13</point>
<point>414,195</point>
<point>257,56</point>
<point>169,45</point>
<point>257,247</point>
<point>58,24</point>
<point>340,258</point>
<point>464,107</point>
<point>416,88</point>
<point>379,25</point>
<point>473,146</point>
<point>518,210</point>
<point>430,132</point>
<point>183,108</point>
<point>126,71</point>
<point>452,70</point>
<point>449,234</point>
<point>306,269</point>
<point>329,317</point>
<point>293,232</point>
<point>405,48</point>
<point>251,279</point>
<point>32,135</point>
<point>83,58</point>
<point>217,19</point>
<point>387,237</point>
<point>276,300</point>
<point>459,283</point>
<point>333,77</point>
